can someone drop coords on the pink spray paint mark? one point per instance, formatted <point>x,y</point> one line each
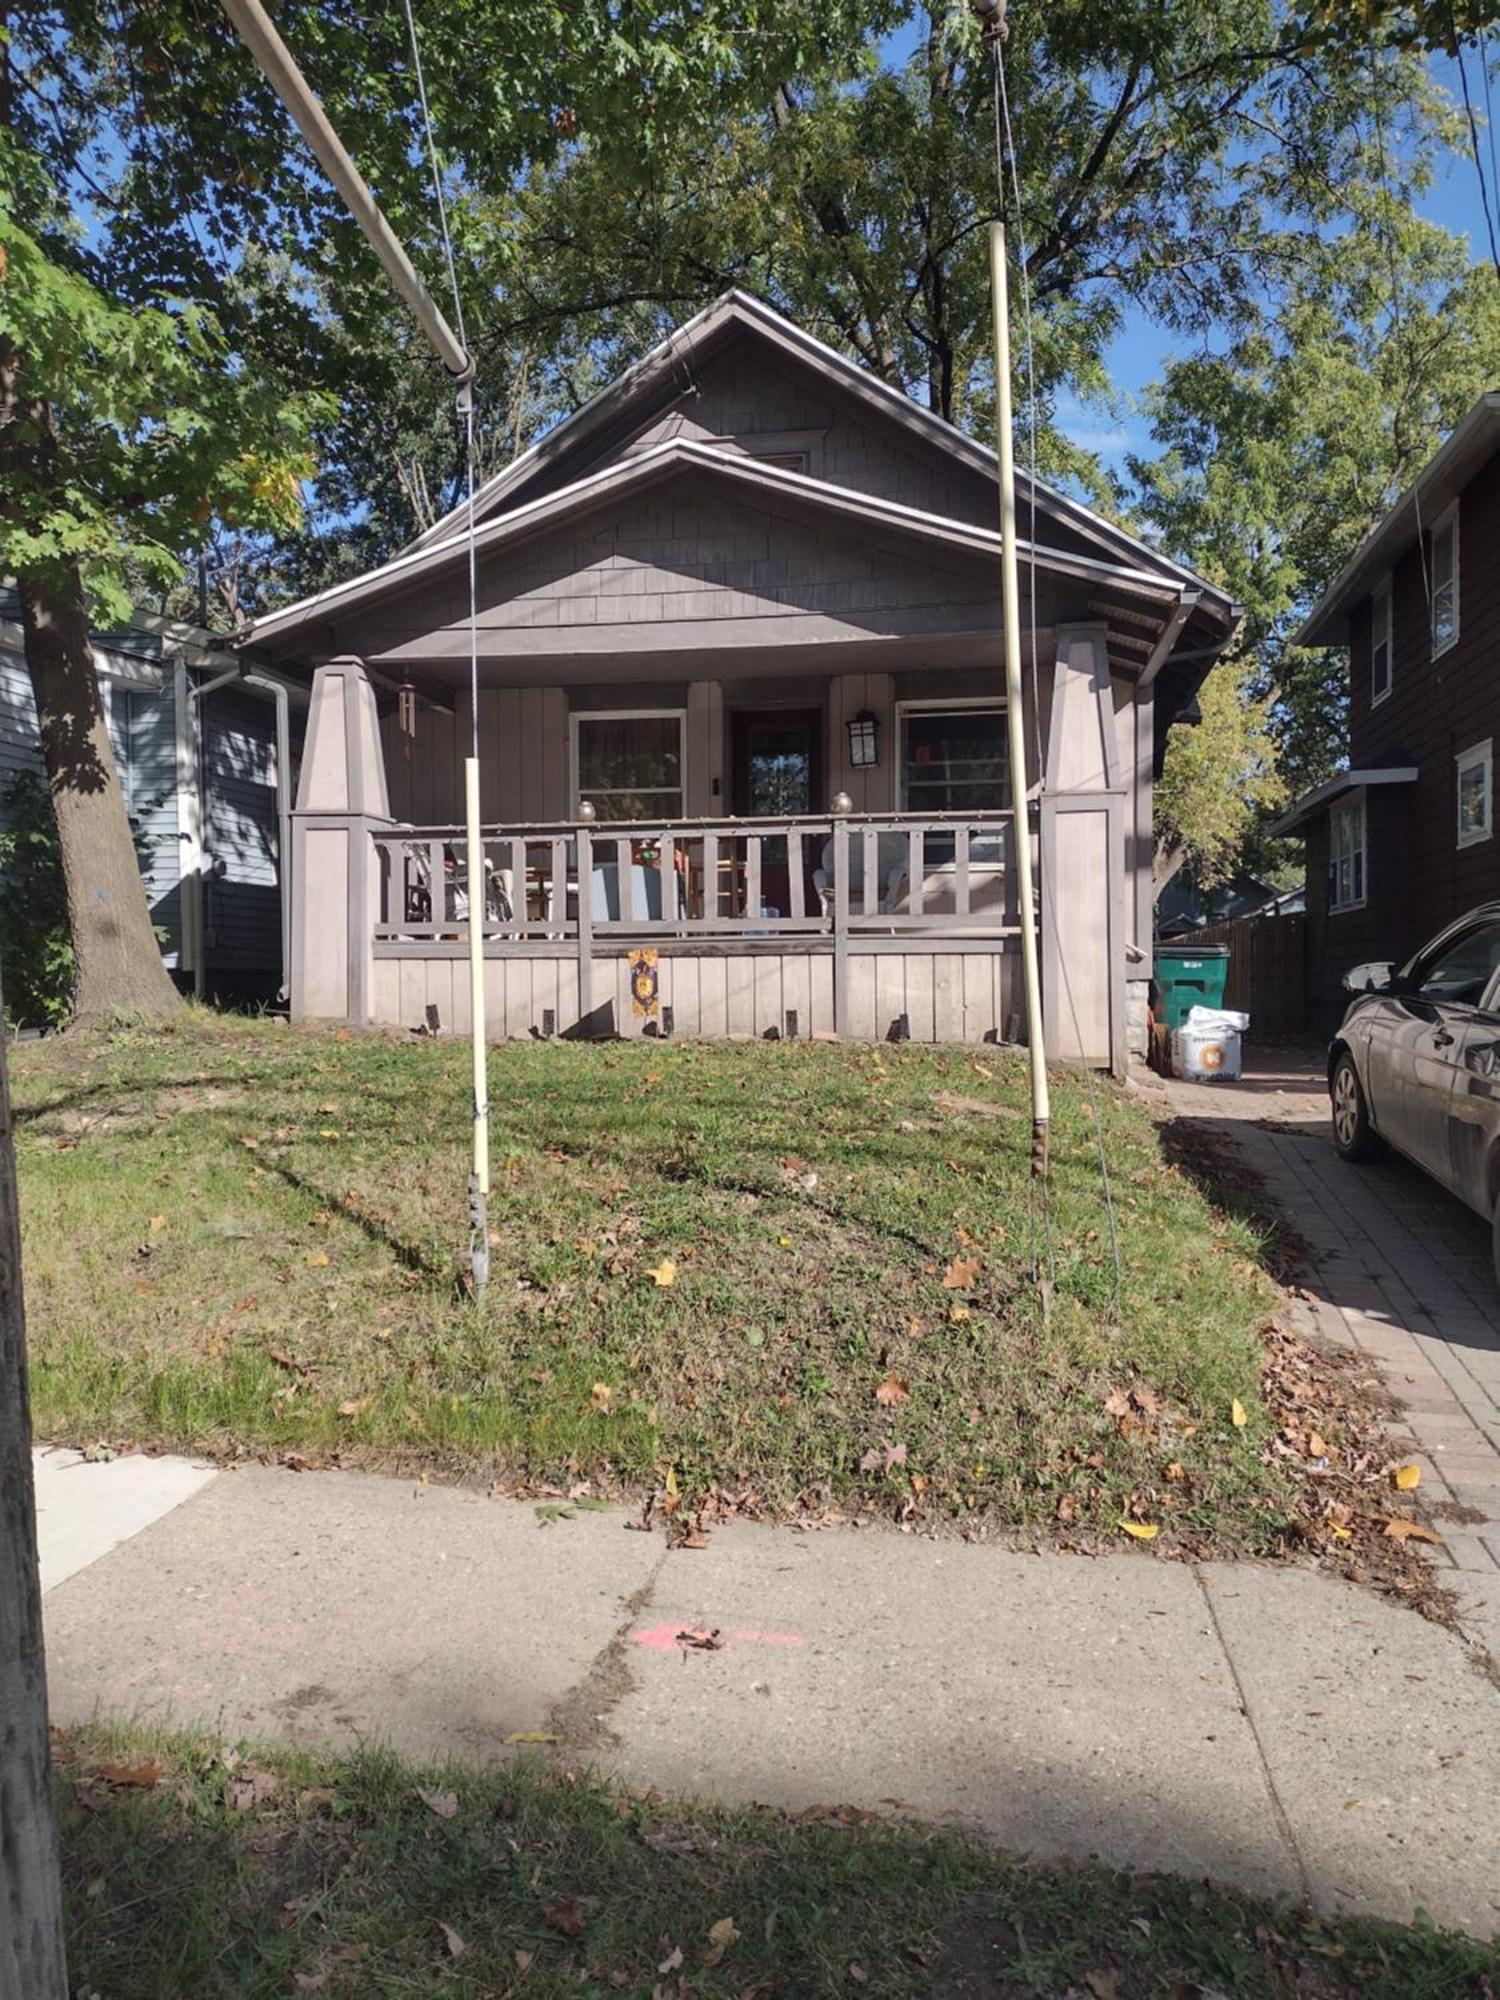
<point>664,1638</point>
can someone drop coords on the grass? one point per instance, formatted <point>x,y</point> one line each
<point>228,1877</point>
<point>240,1236</point>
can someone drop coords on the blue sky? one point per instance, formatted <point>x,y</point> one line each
<point>1138,355</point>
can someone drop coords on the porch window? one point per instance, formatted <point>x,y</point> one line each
<point>954,760</point>
<point>629,765</point>
<point>1346,854</point>
<point>1475,777</point>
<point>1380,644</point>
<point>1444,582</point>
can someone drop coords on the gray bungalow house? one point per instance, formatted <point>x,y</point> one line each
<point>741,718</point>
<point>205,745</point>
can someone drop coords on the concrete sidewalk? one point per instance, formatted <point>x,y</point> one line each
<point>1284,1731</point>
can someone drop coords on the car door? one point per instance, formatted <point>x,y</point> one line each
<point>1474,1108</point>
<point>1418,1042</point>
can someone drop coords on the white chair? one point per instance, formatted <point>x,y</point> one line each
<point>892,858</point>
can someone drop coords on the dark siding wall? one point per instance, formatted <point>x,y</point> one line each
<point>1419,877</point>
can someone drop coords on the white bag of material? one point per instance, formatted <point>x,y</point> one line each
<point>1217,1020</point>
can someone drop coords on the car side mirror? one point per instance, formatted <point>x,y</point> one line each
<point>1379,976</point>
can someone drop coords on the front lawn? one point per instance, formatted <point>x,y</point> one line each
<point>778,1276</point>
<point>196,1869</point>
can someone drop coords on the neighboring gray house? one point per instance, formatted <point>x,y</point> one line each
<point>742,726</point>
<point>201,746</point>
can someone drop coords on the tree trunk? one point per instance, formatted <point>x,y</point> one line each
<point>1166,860</point>
<point>31,1925</point>
<point>120,972</point>
<point>119,968</point>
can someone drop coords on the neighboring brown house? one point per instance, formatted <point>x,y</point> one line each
<point>1404,840</point>
<point>742,704</point>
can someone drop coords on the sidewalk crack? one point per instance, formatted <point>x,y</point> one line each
<point>1278,1810</point>
<point>580,1718</point>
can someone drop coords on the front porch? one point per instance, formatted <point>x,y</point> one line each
<point>868,926</point>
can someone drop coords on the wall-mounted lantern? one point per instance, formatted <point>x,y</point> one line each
<point>864,740</point>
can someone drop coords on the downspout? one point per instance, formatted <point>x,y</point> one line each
<point>278,693</point>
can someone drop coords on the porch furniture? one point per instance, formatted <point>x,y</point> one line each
<point>893,857</point>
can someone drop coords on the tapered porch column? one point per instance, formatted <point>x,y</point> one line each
<point>1081,843</point>
<point>341,800</point>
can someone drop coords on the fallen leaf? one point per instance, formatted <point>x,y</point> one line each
<point>319,1260</point>
<point>1400,1530</point>
<point>309,1982</point>
<point>158,1222</point>
<point>664,1273</point>
<point>671,1482</point>
<point>523,1960</point>
<point>1103,1985</point>
<point>892,1391</point>
<point>1175,1472</point>
<point>1316,1448</point>
<point>601,1398</point>
<point>960,1274</point>
<point>356,1406</point>
<point>249,1788</point>
<point>444,1804</point>
<point>1237,1414</point>
<point>315,1795</point>
<point>673,1960</point>
<point>858,1974</point>
<point>1117,1403</point>
<point>959,1315</point>
<point>720,1937</point>
<point>1406,1478</point>
<point>146,1773</point>
<point>530,1736</point>
<point>456,1946</point>
<point>1143,1531</point>
<point>567,1917</point>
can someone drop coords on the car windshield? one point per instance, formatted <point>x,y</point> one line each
<point>1463,969</point>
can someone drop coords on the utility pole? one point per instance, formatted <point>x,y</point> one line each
<point>991,15</point>
<point>277,64</point>
<point>32,1965</point>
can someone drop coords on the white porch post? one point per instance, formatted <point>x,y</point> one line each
<point>341,799</point>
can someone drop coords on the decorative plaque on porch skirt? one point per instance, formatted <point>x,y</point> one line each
<point>643,981</point>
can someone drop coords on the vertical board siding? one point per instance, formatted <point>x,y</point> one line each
<point>946,997</point>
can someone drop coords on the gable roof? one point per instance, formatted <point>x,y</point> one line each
<point>1444,475</point>
<point>659,375</point>
<point>752,478</point>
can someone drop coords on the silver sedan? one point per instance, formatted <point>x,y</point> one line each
<point>1416,1063</point>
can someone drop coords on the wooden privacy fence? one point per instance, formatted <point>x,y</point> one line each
<point>1267,970</point>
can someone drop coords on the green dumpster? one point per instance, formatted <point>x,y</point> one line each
<point>1187,976</point>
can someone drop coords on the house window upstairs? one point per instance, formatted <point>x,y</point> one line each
<point>1382,673</point>
<point>1443,581</point>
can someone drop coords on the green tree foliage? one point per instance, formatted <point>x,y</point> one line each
<point>1281,451</point>
<point>1220,775</point>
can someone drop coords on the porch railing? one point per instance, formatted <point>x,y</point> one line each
<point>942,875</point>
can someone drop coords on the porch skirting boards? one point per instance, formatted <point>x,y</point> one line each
<point>963,991</point>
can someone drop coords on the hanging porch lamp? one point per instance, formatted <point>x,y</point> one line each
<point>864,740</point>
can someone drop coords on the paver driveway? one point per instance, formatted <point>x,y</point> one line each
<point>1396,1267</point>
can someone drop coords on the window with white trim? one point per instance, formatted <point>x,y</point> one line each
<point>1474,784</point>
<point>629,765</point>
<point>954,759</point>
<point>1381,649</point>
<point>1443,581</point>
<point>1346,853</point>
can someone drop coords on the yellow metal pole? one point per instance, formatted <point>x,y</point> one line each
<point>479,1182</point>
<point>1015,721</point>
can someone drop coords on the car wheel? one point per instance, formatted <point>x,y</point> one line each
<point>1353,1135</point>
